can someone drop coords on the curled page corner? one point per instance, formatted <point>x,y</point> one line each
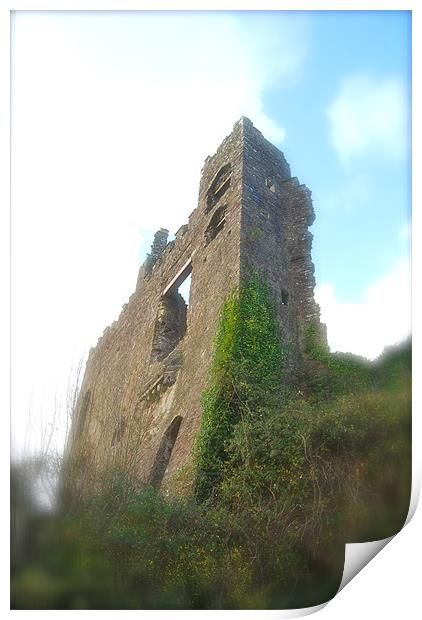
<point>306,611</point>
<point>302,611</point>
<point>276,614</point>
<point>358,555</point>
<point>415,493</point>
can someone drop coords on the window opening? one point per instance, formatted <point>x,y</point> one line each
<point>218,187</point>
<point>270,184</point>
<point>171,320</point>
<point>216,224</point>
<point>184,289</point>
<point>284,297</point>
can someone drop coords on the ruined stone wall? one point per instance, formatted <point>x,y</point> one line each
<point>275,241</point>
<point>140,401</point>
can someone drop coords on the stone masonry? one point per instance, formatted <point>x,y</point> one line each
<point>140,402</point>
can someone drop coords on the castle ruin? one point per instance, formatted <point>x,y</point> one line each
<point>139,406</point>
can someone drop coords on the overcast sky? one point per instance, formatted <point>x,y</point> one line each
<point>113,115</point>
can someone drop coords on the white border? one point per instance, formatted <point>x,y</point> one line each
<point>389,586</point>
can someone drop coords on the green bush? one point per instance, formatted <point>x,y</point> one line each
<point>284,478</point>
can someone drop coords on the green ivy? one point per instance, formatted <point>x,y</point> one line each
<point>245,377</point>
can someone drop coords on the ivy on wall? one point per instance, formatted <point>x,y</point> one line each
<point>245,377</point>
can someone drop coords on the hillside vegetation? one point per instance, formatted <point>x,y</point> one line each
<point>282,479</point>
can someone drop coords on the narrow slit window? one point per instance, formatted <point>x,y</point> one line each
<point>270,184</point>
<point>164,451</point>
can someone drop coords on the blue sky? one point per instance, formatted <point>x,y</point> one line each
<point>113,115</point>
<point>363,206</point>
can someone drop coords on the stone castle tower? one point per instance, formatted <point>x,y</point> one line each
<point>140,402</point>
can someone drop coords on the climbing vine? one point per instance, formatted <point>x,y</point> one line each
<point>245,377</point>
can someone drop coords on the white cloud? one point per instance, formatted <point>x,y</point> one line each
<point>381,319</point>
<point>369,116</point>
<point>113,116</point>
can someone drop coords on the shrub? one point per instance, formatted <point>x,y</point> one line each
<point>284,477</point>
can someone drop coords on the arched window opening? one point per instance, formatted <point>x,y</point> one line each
<point>163,456</point>
<point>218,187</point>
<point>216,224</point>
